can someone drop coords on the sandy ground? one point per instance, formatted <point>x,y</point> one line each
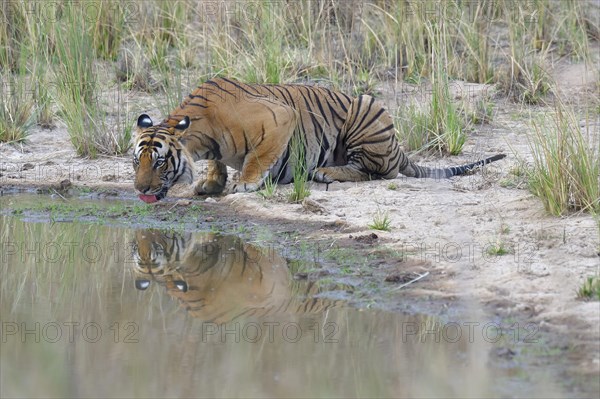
<point>448,224</point>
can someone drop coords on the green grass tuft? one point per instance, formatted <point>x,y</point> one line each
<point>269,188</point>
<point>565,173</point>
<point>497,248</point>
<point>16,109</point>
<point>381,221</point>
<point>590,289</point>
<point>300,186</point>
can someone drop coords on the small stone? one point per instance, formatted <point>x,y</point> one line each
<point>505,353</point>
<point>367,238</point>
<point>109,178</point>
<point>65,184</point>
<point>313,206</point>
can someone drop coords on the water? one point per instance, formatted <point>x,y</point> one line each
<point>91,311</point>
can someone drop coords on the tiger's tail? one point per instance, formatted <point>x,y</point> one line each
<point>411,169</point>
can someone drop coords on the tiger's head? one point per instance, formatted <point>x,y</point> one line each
<point>216,278</point>
<point>157,257</point>
<point>159,158</point>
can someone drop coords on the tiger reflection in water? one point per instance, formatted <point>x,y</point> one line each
<point>220,278</point>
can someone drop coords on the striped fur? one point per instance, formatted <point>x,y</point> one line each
<point>250,128</point>
<point>220,280</point>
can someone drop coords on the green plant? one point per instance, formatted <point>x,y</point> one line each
<point>269,60</point>
<point>590,289</point>
<point>108,28</point>
<point>524,76</point>
<point>534,82</point>
<point>300,185</point>
<point>76,84</point>
<point>77,90</point>
<point>381,221</point>
<point>160,30</point>
<point>133,68</point>
<point>481,113</point>
<point>446,121</point>
<point>392,186</point>
<point>517,175</point>
<point>440,127</point>
<point>565,173</point>
<point>571,28</point>
<point>13,33</point>
<point>365,83</point>
<point>16,108</point>
<point>472,42</point>
<point>269,188</point>
<point>115,134</point>
<point>171,90</point>
<point>497,248</point>
<point>414,128</point>
<point>396,35</point>
<point>252,49</point>
<point>43,98</point>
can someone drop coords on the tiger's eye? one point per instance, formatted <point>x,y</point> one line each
<point>142,284</point>
<point>181,285</point>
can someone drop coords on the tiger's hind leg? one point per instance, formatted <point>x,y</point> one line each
<point>370,145</point>
<point>216,178</point>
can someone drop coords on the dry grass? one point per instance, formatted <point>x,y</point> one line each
<point>167,48</point>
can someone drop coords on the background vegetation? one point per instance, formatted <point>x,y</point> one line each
<point>80,63</point>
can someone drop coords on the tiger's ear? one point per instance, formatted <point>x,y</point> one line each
<point>182,126</point>
<point>144,121</point>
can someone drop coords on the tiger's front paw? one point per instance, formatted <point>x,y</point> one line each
<point>244,187</point>
<point>205,187</point>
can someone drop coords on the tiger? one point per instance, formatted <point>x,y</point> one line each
<point>220,279</point>
<point>261,130</point>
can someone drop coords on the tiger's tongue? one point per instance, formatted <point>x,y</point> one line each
<point>148,198</point>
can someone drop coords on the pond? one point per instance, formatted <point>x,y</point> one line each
<point>94,310</point>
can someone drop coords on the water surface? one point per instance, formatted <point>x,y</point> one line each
<point>100,311</point>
